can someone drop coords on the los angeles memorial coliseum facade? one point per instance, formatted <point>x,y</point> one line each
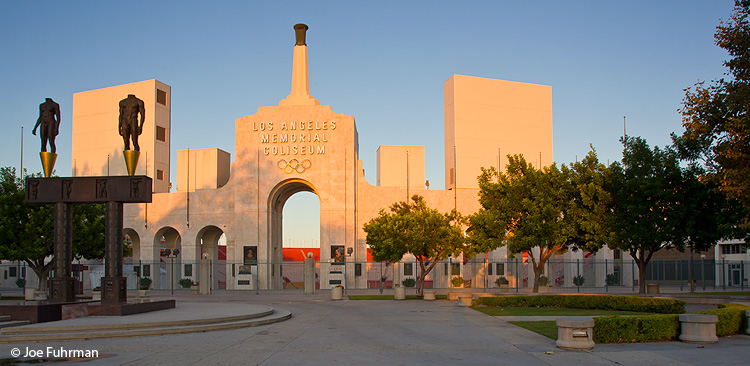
<point>298,145</point>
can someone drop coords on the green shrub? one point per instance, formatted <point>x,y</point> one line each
<point>457,281</point>
<point>186,282</point>
<point>145,283</point>
<point>612,279</point>
<point>578,280</point>
<point>543,280</point>
<point>409,282</point>
<point>647,328</point>
<point>732,319</point>
<point>21,282</point>
<point>605,302</point>
<point>501,281</point>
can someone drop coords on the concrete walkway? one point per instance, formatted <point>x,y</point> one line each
<point>375,332</point>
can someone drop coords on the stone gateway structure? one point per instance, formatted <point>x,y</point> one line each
<point>301,145</point>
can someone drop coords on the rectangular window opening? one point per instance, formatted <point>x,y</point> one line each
<point>161,133</point>
<point>161,97</point>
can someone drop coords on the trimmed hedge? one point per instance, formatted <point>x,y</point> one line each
<point>605,302</point>
<point>630,329</point>
<point>732,319</point>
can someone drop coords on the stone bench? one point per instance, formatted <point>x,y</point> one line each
<point>465,299</point>
<point>652,288</point>
<point>453,296</point>
<point>429,295</point>
<point>575,333</point>
<point>698,328</point>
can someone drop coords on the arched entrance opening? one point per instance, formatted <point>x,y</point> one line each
<point>301,237</point>
<point>165,272</point>
<point>133,243</point>
<point>280,195</point>
<point>131,262</point>
<point>210,239</point>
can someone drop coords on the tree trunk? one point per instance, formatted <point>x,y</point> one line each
<point>538,268</point>
<point>642,277</point>
<point>42,272</point>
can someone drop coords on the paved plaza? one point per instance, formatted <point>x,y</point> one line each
<point>374,332</point>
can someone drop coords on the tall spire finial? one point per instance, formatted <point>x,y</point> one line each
<point>300,94</point>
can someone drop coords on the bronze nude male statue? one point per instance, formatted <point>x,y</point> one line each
<point>49,119</point>
<point>130,107</point>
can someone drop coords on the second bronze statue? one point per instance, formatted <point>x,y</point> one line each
<point>130,107</point>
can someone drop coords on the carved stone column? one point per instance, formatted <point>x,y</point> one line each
<point>61,285</point>
<point>114,285</point>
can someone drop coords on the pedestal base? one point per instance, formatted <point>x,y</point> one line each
<point>61,290</point>
<point>48,162</point>
<point>131,160</point>
<point>114,290</point>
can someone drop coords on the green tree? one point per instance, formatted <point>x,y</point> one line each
<point>417,229</point>
<point>717,117</point>
<point>708,214</point>
<point>659,205</point>
<point>542,212</point>
<point>27,231</point>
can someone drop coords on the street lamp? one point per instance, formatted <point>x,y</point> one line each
<point>171,254</point>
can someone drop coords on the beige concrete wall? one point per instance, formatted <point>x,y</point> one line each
<point>202,169</point>
<point>394,163</point>
<point>97,145</point>
<point>487,119</point>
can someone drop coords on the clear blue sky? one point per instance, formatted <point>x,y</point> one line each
<point>383,62</point>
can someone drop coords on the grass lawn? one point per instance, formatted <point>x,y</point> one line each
<point>390,297</point>
<point>497,311</point>
<point>547,328</point>
<point>726,293</point>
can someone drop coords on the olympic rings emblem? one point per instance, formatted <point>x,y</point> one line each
<point>294,165</point>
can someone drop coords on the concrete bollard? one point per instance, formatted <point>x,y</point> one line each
<point>337,293</point>
<point>429,295</point>
<point>652,288</point>
<point>465,299</point>
<point>698,328</point>
<point>575,333</point>
<point>399,293</point>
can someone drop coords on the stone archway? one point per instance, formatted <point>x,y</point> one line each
<point>134,241</point>
<point>164,271</point>
<point>276,200</point>
<point>132,264</point>
<point>207,241</point>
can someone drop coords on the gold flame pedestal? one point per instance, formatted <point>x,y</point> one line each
<point>131,160</point>
<point>48,162</point>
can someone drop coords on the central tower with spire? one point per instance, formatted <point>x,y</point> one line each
<point>300,94</point>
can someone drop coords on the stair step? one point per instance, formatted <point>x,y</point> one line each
<point>147,329</point>
<point>12,323</point>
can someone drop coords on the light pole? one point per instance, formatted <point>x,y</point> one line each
<point>171,254</point>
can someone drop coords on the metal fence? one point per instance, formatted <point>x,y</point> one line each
<point>558,276</point>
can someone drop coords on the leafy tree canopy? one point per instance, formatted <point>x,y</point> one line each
<point>414,228</point>
<point>542,212</point>
<point>27,231</point>
<point>717,117</point>
<point>659,205</point>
